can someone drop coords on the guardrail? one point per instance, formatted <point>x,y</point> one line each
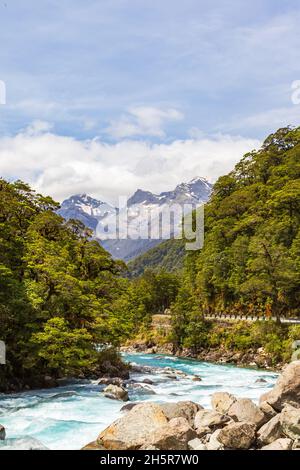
<point>250,318</point>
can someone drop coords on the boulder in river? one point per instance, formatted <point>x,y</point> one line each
<point>116,393</point>
<point>2,432</point>
<point>287,388</point>
<point>133,430</point>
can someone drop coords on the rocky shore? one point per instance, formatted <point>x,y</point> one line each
<point>231,423</point>
<point>250,358</point>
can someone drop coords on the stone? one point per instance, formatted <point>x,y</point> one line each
<point>133,430</point>
<point>270,432</point>
<point>129,406</point>
<point>290,422</point>
<point>237,435</point>
<point>93,446</point>
<point>196,378</point>
<point>214,443</point>
<point>279,444</point>
<point>148,447</point>
<point>244,410</point>
<point>116,393</point>
<point>148,381</point>
<point>173,436</point>
<point>111,381</point>
<point>222,401</point>
<point>260,381</point>
<point>196,444</point>
<point>209,418</point>
<point>2,432</point>
<point>267,409</point>
<point>287,388</point>
<point>181,409</point>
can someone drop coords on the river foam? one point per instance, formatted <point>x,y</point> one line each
<point>71,416</point>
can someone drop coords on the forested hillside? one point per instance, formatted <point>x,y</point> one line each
<point>57,289</point>
<point>250,262</point>
<point>168,255</point>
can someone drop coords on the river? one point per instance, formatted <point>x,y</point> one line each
<point>71,416</point>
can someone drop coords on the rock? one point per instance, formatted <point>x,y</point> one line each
<point>173,436</point>
<point>209,418</point>
<point>287,388</point>
<point>268,411</point>
<point>111,381</point>
<point>144,389</point>
<point>290,422</point>
<point>222,401</point>
<point>148,381</point>
<point>279,444</point>
<point>22,443</point>
<point>181,409</point>
<point>196,378</point>
<point>203,431</point>
<point>129,406</point>
<point>196,444</point>
<point>260,381</point>
<point>270,432</point>
<point>148,447</point>
<point>214,443</point>
<point>133,430</point>
<point>93,446</point>
<point>296,445</point>
<point>244,410</point>
<point>237,435</point>
<point>2,432</point>
<point>116,393</point>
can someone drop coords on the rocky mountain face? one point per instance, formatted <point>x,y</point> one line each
<point>101,217</point>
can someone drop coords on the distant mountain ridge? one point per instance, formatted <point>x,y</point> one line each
<point>94,213</point>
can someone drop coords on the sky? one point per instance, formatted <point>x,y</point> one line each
<point>107,96</point>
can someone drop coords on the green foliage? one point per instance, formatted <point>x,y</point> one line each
<point>57,290</point>
<point>167,256</point>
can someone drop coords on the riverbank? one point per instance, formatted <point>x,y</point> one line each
<point>70,416</point>
<point>251,358</point>
<point>231,424</point>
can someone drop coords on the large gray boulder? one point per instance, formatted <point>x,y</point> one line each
<point>287,388</point>
<point>116,393</point>
<point>279,444</point>
<point>2,432</point>
<point>134,429</point>
<point>210,419</point>
<point>237,435</point>
<point>244,410</point>
<point>270,432</point>
<point>181,409</point>
<point>290,422</point>
<point>222,401</point>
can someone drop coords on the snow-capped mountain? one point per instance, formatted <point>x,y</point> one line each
<point>142,216</point>
<point>86,209</point>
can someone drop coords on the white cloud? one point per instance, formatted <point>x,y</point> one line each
<point>143,121</point>
<point>61,166</point>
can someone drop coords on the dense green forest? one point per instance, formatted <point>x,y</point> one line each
<point>56,291</point>
<point>65,304</point>
<point>250,262</point>
<point>167,256</point>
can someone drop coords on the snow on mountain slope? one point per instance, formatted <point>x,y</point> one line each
<point>142,216</point>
